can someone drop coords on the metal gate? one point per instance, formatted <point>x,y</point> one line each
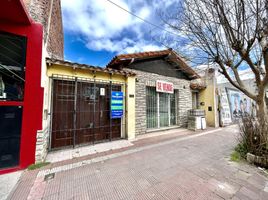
<point>81,112</point>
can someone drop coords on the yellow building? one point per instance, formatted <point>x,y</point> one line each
<point>208,98</point>
<point>87,104</point>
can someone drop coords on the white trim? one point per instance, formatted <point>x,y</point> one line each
<point>169,110</point>
<point>158,112</point>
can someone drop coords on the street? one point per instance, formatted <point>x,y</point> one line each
<point>192,166</point>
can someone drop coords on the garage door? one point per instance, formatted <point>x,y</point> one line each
<point>81,113</point>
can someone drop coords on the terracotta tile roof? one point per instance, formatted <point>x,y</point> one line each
<point>88,67</point>
<point>149,54</point>
<point>124,59</point>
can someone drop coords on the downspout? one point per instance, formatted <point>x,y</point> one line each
<point>48,23</point>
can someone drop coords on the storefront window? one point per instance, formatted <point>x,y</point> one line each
<point>12,66</point>
<point>164,109</point>
<point>160,108</point>
<point>151,107</point>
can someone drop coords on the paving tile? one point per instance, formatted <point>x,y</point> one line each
<point>162,167</point>
<point>248,193</point>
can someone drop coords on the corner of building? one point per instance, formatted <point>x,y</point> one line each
<point>130,107</point>
<point>208,99</point>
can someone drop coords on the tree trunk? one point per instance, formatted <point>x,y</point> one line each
<point>262,113</point>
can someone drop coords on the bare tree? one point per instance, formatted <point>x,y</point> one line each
<point>231,33</point>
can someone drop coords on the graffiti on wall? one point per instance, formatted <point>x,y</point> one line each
<point>240,104</point>
<point>234,105</point>
<point>225,114</point>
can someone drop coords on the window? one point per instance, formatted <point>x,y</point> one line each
<point>12,66</point>
<point>160,108</point>
<point>195,100</point>
<point>151,107</point>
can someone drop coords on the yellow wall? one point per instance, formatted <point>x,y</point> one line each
<point>208,97</point>
<point>130,107</point>
<point>129,131</point>
<point>83,73</point>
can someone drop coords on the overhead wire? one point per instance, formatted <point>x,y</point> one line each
<point>142,19</point>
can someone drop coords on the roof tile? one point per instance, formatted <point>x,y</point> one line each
<point>89,67</point>
<point>172,57</point>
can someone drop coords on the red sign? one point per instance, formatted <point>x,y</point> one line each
<point>166,87</point>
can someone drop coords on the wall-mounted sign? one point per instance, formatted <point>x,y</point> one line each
<point>163,86</point>
<point>116,104</point>
<point>102,91</point>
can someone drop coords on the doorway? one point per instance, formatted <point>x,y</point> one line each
<point>12,81</point>
<point>10,126</point>
<point>81,113</point>
<point>160,109</point>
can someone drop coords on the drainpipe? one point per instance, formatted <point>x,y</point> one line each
<point>48,22</point>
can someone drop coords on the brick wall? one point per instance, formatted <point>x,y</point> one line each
<point>184,97</point>
<point>40,11</point>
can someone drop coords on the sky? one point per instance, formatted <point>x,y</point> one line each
<point>96,30</point>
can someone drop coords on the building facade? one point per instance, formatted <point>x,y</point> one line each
<point>20,78</point>
<point>163,93</point>
<point>86,105</point>
<point>48,13</point>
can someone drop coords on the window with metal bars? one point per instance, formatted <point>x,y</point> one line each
<point>151,107</point>
<point>160,109</point>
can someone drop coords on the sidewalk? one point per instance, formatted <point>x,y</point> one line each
<point>168,166</point>
<point>70,156</point>
<point>8,182</point>
<point>109,148</point>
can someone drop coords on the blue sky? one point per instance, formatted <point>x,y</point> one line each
<point>96,30</point>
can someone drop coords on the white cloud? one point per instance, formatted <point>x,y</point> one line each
<point>104,26</point>
<point>95,18</point>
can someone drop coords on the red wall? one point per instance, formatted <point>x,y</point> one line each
<point>33,96</point>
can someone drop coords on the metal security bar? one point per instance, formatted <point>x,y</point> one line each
<point>151,108</point>
<point>81,112</point>
<point>173,113</point>
<point>160,109</point>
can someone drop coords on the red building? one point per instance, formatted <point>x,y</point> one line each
<point>21,94</point>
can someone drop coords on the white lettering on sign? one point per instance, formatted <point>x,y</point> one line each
<point>163,86</point>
